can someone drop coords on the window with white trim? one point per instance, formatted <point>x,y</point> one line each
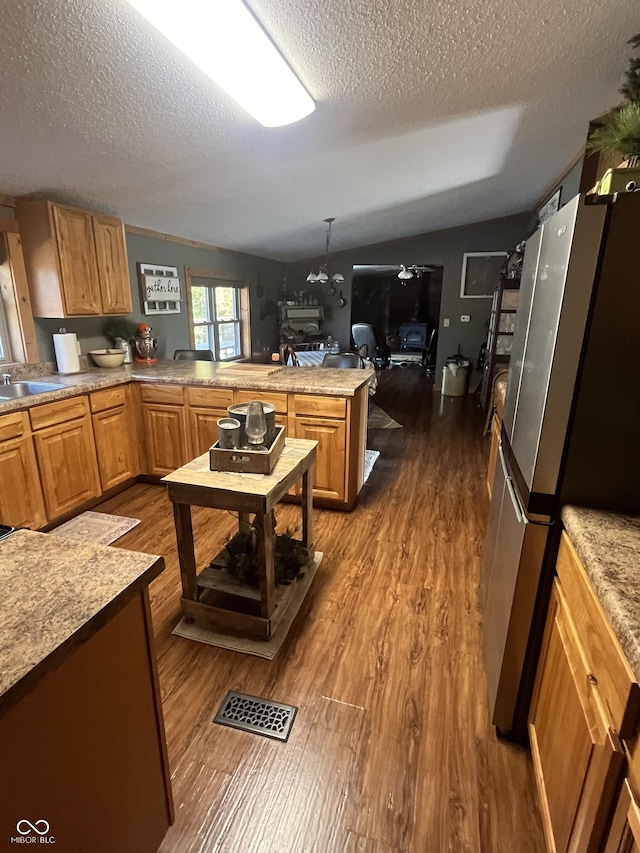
<point>217,319</point>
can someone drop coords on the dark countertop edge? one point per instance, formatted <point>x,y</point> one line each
<point>94,380</point>
<point>57,657</point>
<point>621,609</point>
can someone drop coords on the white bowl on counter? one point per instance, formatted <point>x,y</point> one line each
<point>107,357</point>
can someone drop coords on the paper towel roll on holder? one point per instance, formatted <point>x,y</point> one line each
<point>67,349</point>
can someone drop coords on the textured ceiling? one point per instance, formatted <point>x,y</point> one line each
<point>429,115</point>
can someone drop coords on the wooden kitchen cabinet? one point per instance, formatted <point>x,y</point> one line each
<point>113,269</point>
<point>115,436</point>
<point>165,427</point>
<point>493,453</point>
<point>65,450</point>
<point>329,471</point>
<point>624,833</point>
<point>323,419</point>
<point>21,500</point>
<point>76,261</point>
<point>205,408</point>
<point>585,701</point>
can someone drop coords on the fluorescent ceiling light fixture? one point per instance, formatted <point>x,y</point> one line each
<point>224,39</point>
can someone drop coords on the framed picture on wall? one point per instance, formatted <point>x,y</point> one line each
<point>480,274</point>
<point>550,207</point>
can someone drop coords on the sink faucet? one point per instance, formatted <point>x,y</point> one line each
<point>6,379</point>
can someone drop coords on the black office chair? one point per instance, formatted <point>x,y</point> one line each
<point>193,355</point>
<point>364,338</point>
<point>342,359</point>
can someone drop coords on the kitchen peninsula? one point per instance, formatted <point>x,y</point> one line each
<point>82,741</point>
<point>61,451</point>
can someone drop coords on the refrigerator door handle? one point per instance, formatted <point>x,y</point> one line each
<point>517,507</point>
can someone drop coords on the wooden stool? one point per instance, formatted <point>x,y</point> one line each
<point>194,484</point>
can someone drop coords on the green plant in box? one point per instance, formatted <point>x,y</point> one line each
<point>620,128</point>
<point>620,131</point>
<point>290,557</point>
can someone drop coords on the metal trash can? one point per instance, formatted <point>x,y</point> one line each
<point>455,376</point>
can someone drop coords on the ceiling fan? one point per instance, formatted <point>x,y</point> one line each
<point>407,272</point>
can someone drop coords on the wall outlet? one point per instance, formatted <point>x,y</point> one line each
<point>445,322</point>
<point>465,318</point>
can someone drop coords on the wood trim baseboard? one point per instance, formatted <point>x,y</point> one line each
<point>189,303</point>
<point>195,244</point>
<point>197,272</point>
<point>7,200</point>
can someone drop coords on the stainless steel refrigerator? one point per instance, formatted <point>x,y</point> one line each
<point>571,425</point>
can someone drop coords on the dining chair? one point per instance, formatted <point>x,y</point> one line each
<point>342,359</point>
<point>193,355</point>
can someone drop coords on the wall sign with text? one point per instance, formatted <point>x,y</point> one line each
<point>160,289</point>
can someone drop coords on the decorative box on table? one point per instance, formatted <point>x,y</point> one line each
<point>241,461</point>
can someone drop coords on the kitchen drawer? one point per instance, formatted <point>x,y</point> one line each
<point>316,406</point>
<point>605,659</point>
<point>276,399</point>
<point>51,414</point>
<point>110,398</point>
<point>13,425</point>
<point>210,398</point>
<point>162,394</point>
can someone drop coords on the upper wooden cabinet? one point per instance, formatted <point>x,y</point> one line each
<point>76,260</point>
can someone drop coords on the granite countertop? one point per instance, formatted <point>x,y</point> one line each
<point>301,380</point>
<point>608,545</point>
<point>57,593</point>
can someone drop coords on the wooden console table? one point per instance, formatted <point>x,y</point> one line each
<point>194,484</point>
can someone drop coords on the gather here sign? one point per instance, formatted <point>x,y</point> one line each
<point>159,288</point>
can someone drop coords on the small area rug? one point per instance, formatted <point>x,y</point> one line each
<point>370,459</point>
<point>267,649</point>
<point>98,527</point>
<point>379,419</point>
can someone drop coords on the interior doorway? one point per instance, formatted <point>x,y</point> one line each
<point>402,303</point>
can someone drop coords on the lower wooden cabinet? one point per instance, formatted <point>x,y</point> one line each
<point>21,500</point>
<point>585,702</point>
<point>165,430</point>
<point>115,437</point>
<point>55,457</point>
<point>329,473</point>
<point>493,453</point>
<point>203,428</point>
<point>68,467</point>
<point>85,749</point>
<point>624,833</point>
<point>577,757</point>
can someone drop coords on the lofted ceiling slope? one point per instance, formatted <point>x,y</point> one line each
<point>429,115</point>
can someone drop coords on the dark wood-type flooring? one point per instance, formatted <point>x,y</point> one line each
<point>391,749</point>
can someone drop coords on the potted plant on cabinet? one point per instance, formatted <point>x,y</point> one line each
<point>619,132</point>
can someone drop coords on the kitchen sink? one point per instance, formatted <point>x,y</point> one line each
<point>26,389</point>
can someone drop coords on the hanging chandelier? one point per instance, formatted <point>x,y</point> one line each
<point>322,275</point>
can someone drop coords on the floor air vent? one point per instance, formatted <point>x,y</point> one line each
<point>260,716</point>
